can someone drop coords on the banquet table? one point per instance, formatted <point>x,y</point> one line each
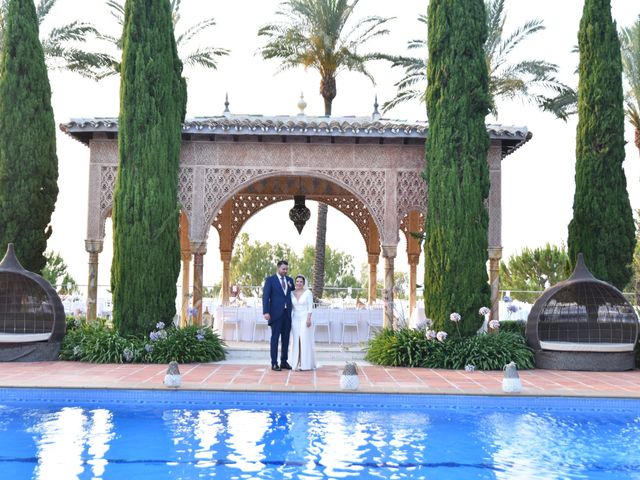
<point>247,317</point>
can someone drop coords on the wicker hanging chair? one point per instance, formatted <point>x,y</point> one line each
<point>583,323</point>
<point>32,318</point>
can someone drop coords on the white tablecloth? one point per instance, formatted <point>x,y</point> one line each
<point>247,317</point>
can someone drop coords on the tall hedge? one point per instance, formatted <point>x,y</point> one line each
<point>457,172</point>
<point>602,227</point>
<point>28,161</point>
<point>146,245</point>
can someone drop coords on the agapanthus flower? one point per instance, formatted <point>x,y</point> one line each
<point>160,325</point>
<point>512,308</point>
<point>192,311</point>
<point>494,324</point>
<point>484,311</point>
<point>162,334</point>
<point>506,299</point>
<point>77,351</point>
<point>441,336</point>
<point>455,317</point>
<point>148,348</point>
<point>469,368</point>
<point>153,336</point>
<point>431,334</point>
<point>200,334</point>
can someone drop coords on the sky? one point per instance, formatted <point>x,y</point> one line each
<point>537,180</point>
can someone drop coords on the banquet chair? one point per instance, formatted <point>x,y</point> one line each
<point>321,317</point>
<point>259,322</point>
<point>349,319</point>
<point>230,316</point>
<point>375,321</point>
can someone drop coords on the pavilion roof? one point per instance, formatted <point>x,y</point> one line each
<point>232,127</point>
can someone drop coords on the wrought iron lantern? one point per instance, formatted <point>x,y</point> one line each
<point>299,214</point>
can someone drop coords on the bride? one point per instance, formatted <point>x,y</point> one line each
<point>304,356</point>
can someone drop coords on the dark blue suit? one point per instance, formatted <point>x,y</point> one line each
<point>278,305</point>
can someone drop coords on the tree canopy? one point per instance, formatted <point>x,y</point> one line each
<point>28,160</point>
<point>602,226</point>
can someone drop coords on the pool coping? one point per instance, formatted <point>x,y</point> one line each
<point>373,379</point>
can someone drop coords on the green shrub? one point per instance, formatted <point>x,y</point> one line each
<point>188,345</point>
<point>99,342</point>
<point>513,326</point>
<point>407,347</point>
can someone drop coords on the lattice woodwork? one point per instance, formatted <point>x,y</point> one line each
<point>369,185</point>
<point>412,193</point>
<point>244,206</point>
<point>220,182</point>
<point>185,189</point>
<point>108,174</point>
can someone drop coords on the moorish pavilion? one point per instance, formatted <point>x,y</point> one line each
<point>232,166</point>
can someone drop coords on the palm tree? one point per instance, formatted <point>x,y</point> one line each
<point>203,57</point>
<point>630,47</point>
<point>311,34</point>
<point>506,80</point>
<point>59,44</point>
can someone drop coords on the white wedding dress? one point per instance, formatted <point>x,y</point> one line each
<point>304,355</point>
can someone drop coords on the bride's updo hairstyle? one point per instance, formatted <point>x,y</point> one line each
<point>304,280</point>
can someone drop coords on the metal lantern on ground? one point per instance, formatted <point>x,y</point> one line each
<point>349,378</point>
<point>173,378</point>
<point>583,324</point>
<point>511,382</point>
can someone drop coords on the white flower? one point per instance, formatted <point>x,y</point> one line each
<point>494,324</point>
<point>484,311</point>
<point>455,317</point>
<point>441,336</point>
<point>469,368</point>
<point>431,334</point>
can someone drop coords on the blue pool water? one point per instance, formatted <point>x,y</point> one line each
<point>109,434</point>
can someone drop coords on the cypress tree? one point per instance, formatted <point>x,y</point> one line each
<point>28,161</point>
<point>602,226</point>
<point>457,172</point>
<point>146,246</point>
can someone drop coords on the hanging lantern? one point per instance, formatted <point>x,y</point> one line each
<point>299,214</point>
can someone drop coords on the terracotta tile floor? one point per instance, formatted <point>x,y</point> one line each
<point>227,376</point>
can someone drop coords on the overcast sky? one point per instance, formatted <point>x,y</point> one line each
<point>538,179</point>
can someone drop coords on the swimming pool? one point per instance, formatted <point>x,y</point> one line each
<point>116,434</point>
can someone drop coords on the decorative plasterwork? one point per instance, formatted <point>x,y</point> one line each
<point>108,174</point>
<point>185,190</point>
<point>412,193</point>
<point>368,185</point>
<point>221,183</point>
<point>245,205</point>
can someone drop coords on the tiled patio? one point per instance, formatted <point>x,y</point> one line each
<point>374,379</point>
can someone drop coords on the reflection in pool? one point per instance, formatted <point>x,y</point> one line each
<point>69,434</point>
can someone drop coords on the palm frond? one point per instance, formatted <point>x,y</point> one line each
<point>195,30</point>
<point>43,8</point>
<point>73,32</point>
<point>205,57</point>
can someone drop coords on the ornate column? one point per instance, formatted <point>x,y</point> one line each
<point>373,276</point>
<point>199,250</point>
<point>186,267</point>
<point>94,247</point>
<point>494,158</point>
<point>389,253</point>
<point>413,255</point>
<point>495,255</point>
<point>225,256</point>
<point>413,276</point>
<point>185,255</point>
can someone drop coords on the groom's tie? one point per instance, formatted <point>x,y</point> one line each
<point>284,287</point>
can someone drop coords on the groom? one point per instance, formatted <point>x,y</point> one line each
<point>276,308</point>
